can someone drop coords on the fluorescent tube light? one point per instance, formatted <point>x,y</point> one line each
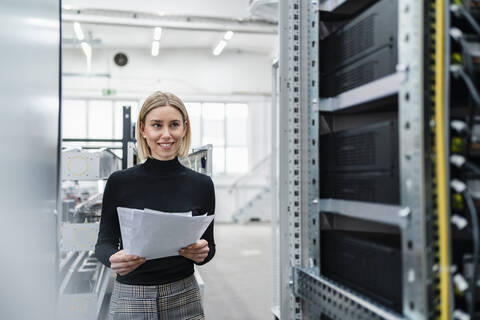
<point>155,48</point>
<point>157,33</point>
<point>228,35</point>
<point>78,31</point>
<point>87,49</point>
<point>67,7</point>
<point>219,48</point>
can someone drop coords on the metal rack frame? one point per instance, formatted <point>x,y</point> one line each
<point>412,154</point>
<point>299,206</point>
<point>289,153</point>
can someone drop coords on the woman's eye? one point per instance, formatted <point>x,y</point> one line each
<point>175,124</point>
<point>156,125</point>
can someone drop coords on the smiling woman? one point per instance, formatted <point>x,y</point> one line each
<point>162,288</point>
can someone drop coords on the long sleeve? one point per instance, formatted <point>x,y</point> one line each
<point>163,185</point>
<point>208,235</point>
<point>109,232</point>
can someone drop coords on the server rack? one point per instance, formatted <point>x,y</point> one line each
<point>419,88</point>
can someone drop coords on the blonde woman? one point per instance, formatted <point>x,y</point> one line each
<point>160,288</point>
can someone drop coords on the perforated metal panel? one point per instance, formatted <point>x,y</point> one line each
<point>412,178</point>
<point>290,168</point>
<point>355,150</point>
<point>294,144</point>
<point>312,141</point>
<point>299,148</point>
<point>356,39</point>
<point>337,302</point>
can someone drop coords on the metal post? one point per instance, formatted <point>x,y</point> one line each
<point>273,186</point>
<point>127,135</point>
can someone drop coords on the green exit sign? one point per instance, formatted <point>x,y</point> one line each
<point>109,92</point>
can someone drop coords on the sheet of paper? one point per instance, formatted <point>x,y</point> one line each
<point>128,225</point>
<point>154,234</point>
<point>185,214</point>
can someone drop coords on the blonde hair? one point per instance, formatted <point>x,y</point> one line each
<point>155,100</point>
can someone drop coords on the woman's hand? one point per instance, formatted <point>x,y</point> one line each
<point>123,263</point>
<point>197,251</point>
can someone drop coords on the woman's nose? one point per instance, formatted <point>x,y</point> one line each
<point>166,132</point>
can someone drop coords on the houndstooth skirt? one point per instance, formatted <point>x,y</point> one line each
<point>178,300</point>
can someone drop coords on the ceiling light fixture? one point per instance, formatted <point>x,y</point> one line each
<point>87,49</point>
<point>157,33</point>
<point>228,35</point>
<point>219,48</point>
<point>78,31</point>
<point>155,48</point>
<point>67,7</point>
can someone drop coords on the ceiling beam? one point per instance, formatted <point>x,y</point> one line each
<point>149,20</point>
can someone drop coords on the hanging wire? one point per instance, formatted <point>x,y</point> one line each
<point>476,248</point>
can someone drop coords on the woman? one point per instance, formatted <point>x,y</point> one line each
<point>160,288</point>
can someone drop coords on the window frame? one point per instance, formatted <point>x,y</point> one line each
<point>226,144</point>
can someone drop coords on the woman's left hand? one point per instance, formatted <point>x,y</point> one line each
<point>197,251</point>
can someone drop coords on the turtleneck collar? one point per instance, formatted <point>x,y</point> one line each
<point>162,166</point>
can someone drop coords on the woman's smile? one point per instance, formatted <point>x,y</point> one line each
<point>166,146</point>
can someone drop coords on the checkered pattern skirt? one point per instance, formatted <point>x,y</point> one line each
<point>178,300</point>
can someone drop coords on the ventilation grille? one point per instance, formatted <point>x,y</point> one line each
<point>356,77</point>
<point>354,189</point>
<point>355,150</point>
<point>355,40</point>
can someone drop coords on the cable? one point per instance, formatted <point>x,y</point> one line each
<point>456,9</point>
<point>476,249</point>
<point>458,71</point>
<point>472,167</point>
<point>460,187</point>
<point>459,161</point>
<point>457,35</point>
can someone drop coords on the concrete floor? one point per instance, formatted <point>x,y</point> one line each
<point>238,279</point>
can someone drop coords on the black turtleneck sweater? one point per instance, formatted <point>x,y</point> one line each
<point>159,185</point>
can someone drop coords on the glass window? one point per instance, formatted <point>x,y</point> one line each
<point>237,115</point>
<point>195,114</point>
<point>225,127</point>
<point>100,119</point>
<point>74,119</point>
<point>237,110</point>
<point>222,125</point>
<point>213,124</point>
<point>218,160</point>
<point>213,111</point>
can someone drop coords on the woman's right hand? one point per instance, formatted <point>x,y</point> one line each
<point>123,263</point>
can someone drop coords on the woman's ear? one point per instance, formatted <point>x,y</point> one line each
<point>142,128</point>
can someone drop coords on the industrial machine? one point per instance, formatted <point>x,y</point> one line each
<point>83,280</point>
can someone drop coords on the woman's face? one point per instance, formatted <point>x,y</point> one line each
<point>163,130</point>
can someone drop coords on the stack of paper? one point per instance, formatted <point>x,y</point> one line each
<point>155,234</point>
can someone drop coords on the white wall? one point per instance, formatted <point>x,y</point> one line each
<point>192,74</point>
<point>187,72</point>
